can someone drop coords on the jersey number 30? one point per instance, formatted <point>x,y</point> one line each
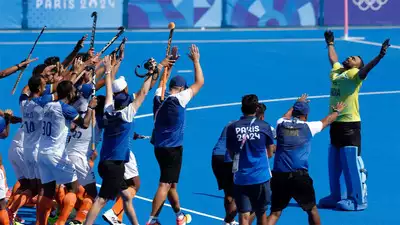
<point>46,129</point>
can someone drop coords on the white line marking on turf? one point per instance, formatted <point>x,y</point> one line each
<point>183,209</point>
<point>185,71</point>
<point>272,100</point>
<point>372,43</point>
<point>239,103</point>
<point>274,40</point>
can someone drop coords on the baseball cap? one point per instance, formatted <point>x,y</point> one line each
<point>2,124</point>
<point>122,100</point>
<point>300,109</point>
<point>119,84</point>
<point>178,81</point>
<point>86,90</point>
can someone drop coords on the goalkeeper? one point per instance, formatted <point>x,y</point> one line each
<point>345,133</point>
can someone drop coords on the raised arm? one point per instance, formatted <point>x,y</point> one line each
<point>194,55</point>
<point>334,115</point>
<point>363,72</point>
<point>7,72</point>
<point>85,122</point>
<point>68,60</point>
<point>330,39</point>
<point>141,94</point>
<point>288,114</point>
<point>109,93</point>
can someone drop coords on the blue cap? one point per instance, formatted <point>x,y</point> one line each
<point>300,109</point>
<point>178,81</point>
<point>122,100</point>
<point>2,124</point>
<point>86,90</point>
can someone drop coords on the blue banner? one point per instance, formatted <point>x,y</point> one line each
<point>74,13</point>
<point>10,14</point>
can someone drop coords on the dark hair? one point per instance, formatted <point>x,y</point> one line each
<point>361,62</point>
<point>249,104</point>
<point>261,109</point>
<point>101,101</point>
<point>53,60</point>
<point>38,69</point>
<point>34,83</point>
<point>64,88</point>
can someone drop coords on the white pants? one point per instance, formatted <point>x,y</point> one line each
<point>16,158</point>
<point>3,186</point>
<point>55,168</point>
<point>30,161</point>
<point>83,170</point>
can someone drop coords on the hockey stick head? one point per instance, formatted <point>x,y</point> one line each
<point>121,28</point>
<point>94,14</point>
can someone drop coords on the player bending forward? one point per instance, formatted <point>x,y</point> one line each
<point>54,165</point>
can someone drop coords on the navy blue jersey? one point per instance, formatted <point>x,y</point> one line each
<point>169,118</point>
<point>294,144</point>
<point>220,146</point>
<point>248,139</point>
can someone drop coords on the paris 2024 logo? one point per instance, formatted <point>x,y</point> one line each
<point>374,5</point>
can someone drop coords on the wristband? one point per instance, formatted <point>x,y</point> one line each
<point>18,67</point>
<point>335,110</point>
<point>90,108</point>
<point>330,43</point>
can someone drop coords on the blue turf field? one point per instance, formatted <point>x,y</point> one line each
<point>275,65</point>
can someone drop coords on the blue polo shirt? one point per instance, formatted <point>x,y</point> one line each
<point>249,137</point>
<point>169,118</point>
<point>220,146</point>
<point>117,132</point>
<point>294,144</point>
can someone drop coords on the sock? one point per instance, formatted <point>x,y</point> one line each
<point>84,209</point>
<point>79,197</point>
<point>4,217</point>
<point>179,215</point>
<point>45,205</point>
<point>152,220</point>
<point>16,186</point>
<point>67,206</point>
<point>19,201</point>
<point>118,208</point>
<point>60,195</point>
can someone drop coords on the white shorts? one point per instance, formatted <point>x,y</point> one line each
<point>16,158</point>
<point>83,170</point>
<point>131,169</point>
<point>3,186</point>
<point>55,168</point>
<point>30,161</point>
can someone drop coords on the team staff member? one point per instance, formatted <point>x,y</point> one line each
<point>119,112</point>
<point>168,137</point>
<point>345,133</point>
<point>7,72</point>
<point>250,142</point>
<point>290,178</point>
<point>223,173</point>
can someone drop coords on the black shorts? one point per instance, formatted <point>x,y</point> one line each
<point>297,185</point>
<point>170,162</point>
<point>253,198</point>
<point>346,134</point>
<point>223,173</point>
<point>112,173</point>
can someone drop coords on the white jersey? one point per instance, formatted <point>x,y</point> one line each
<point>32,115</point>
<point>56,123</point>
<point>79,139</point>
<point>18,140</point>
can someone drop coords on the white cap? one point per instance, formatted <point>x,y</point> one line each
<point>119,84</point>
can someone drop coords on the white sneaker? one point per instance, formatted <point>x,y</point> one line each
<point>111,218</point>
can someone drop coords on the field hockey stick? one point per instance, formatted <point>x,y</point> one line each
<point>29,56</point>
<point>171,27</point>
<point>93,69</point>
<point>137,136</point>
<point>94,15</point>
<point>121,31</point>
<point>120,46</point>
